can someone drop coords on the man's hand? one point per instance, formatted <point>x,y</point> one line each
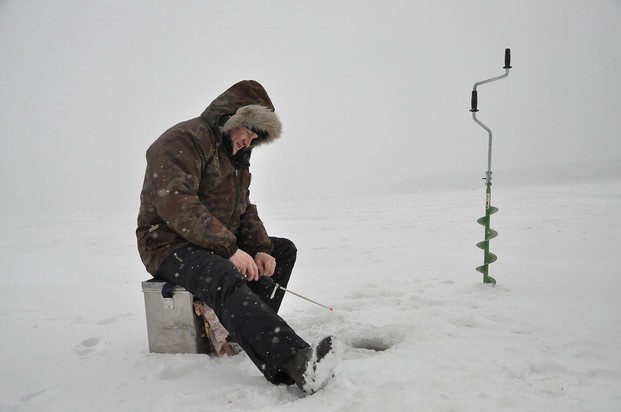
<point>245,265</point>
<point>265,263</point>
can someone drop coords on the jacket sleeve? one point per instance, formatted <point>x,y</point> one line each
<point>175,166</point>
<point>252,236</point>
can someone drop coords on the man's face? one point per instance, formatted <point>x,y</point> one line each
<point>241,138</point>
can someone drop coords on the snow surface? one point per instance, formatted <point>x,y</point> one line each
<point>421,332</point>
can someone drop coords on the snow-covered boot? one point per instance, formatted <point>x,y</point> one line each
<point>313,367</point>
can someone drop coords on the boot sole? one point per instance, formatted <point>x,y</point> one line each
<point>326,356</point>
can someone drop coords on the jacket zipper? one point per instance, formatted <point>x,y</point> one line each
<point>236,178</point>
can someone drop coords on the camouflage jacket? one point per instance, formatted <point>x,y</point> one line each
<point>195,191</point>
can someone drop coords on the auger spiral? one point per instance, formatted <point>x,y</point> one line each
<point>488,257</point>
<point>490,233</point>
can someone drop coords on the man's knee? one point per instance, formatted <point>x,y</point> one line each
<point>284,247</point>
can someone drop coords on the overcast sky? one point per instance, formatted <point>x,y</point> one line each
<point>373,95</point>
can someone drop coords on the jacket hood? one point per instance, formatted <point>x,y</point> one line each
<point>245,104</point>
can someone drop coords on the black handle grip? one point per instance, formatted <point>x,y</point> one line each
<point>474,101</point>
<point>507,59</point>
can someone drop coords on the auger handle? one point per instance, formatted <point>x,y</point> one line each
<point>507,59</point>
<point>474,101</point>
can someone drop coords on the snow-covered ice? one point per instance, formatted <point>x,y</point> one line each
<point>421,332</point>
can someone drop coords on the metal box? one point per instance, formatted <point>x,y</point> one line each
<point>172,324</point>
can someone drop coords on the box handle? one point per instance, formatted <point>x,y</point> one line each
<point>167,295</point>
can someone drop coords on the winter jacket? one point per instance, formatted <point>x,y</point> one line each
<point>195,191</point>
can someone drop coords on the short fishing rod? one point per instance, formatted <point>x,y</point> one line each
<point>267,279</point>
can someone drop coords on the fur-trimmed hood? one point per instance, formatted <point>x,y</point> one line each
<point>245,104</point>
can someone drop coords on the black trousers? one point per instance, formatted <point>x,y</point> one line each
<point>244,308</point>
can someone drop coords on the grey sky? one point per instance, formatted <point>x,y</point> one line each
<point>371,93</point>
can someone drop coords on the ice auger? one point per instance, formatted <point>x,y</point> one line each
<point>490,233</point>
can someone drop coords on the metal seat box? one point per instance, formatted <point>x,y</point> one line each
<point>172,324</point>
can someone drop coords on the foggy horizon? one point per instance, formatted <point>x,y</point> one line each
<point>372,95</point>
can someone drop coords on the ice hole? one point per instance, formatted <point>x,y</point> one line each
<point>374,344</point>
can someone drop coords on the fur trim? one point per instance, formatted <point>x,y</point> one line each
<point>257,118</point>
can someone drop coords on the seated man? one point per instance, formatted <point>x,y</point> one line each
<point>198,229</point>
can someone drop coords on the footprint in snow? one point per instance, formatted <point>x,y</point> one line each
<point>88,347</point>
<point>107,321</point>
<point>114,319</point>
<point>31,395</point>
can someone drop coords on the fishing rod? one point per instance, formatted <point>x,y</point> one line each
<point>277,286</point>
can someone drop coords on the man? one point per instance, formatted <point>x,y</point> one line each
<point>198,229</point>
